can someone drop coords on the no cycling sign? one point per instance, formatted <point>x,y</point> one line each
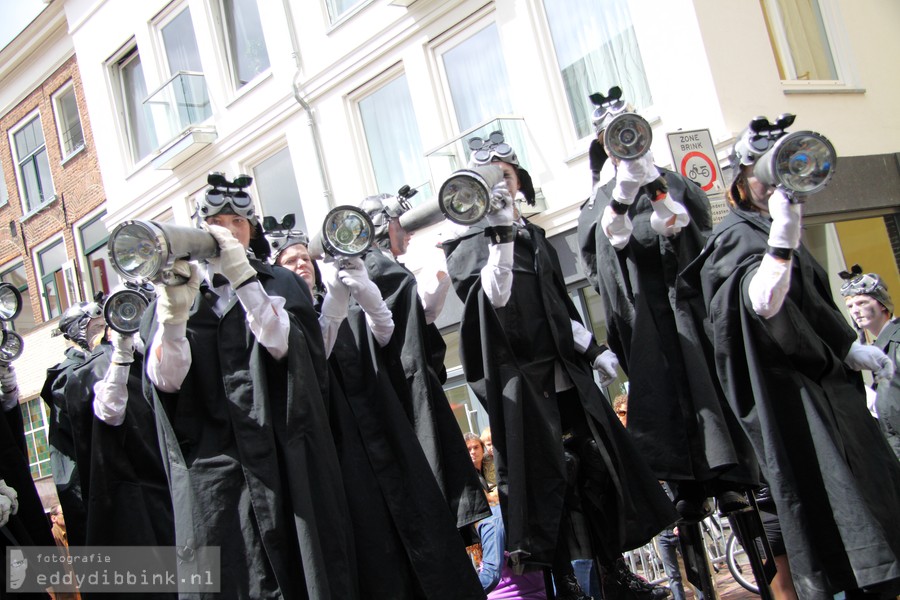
<point>694,156</point>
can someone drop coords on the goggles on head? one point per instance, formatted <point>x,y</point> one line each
<point>857,283</point>
<point>491,149</point>
<point>227,196</point>
<point>608,107</point>
<point>282,240</point>
<point>759,136</point>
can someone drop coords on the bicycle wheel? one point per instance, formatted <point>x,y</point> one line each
<point>739,565</point>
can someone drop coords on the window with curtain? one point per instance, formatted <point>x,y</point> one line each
<point>53,286</point>
<point>191,99</point>
<point>181,44</point>
<point>16,276</point>
<point>68,121</point>
<point>138,119</point>
<point>596,48</point>
<point>277,188</point>
<point>392,137</point>
<point>799,39</point>
<point>244,35</point>
<point>34,166</point>
<point>338,8</point>
<point>35,424</point>
<point>101,275</point>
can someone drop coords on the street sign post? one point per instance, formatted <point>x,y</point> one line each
<point>694,156</point>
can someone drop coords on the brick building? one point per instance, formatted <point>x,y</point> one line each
<point>52,237</point>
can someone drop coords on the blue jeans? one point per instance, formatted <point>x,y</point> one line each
<point>587,577</point>
<point>668,546</point>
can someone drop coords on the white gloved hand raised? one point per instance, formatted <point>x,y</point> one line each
<point>354,275</point>
<point>123,348</point>
<point>337,294</point>
<point>617,227</point>
<point>631,175</point>
<point>785,230</point>
<point>232,261</point>
<point>606,364</point>
<point>870,358</point>
<point>669,217</point>
<point>175,301</point>
<point>9,502</point>
<point>501,211</point>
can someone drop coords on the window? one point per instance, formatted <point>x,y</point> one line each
<point>181,44</point>
<point>138,120</point>
<point>34,167</point>
<point>245,42</point>
<point>51,261</point>
<point>4,193</point>
<point>338,8</point>
<point>16,275</point>
<point>36,437</point>
<point>800,40</point>
<point>101,276</point>
<point>392,136</point>
<point>277,187</point>
<point>596,48</point>
<point>68,121</point>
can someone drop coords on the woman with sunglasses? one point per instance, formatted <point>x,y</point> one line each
<point>787,361</point>
<point>237,363</point>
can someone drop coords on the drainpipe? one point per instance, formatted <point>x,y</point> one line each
<point>311,117</point>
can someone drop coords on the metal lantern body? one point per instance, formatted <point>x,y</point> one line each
<point>10,302</point>
<point>125,307</point>
<point>346,232</point>
<point>11,345</point>
<point>802,162</point>
<point>466,195</point>
<point>146,250</point>
<point>627,136</point>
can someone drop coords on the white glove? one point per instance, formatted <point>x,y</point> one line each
<point>872,359</point>
<point>785,230</point>
<point>232,261</point>
<point>606,364</point>
<point>669,217</point>
<point>175,301</point>
<point>617,227</point>
<point>9,502</point>
<point>9,388</point>
<point>368,296</point>
<point>123,348</point>
<point>337,294</point>
<point>501,211</point>
<point>631,175</point>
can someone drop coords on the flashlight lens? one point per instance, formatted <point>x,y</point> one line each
<point>464,199</point>
<point>135,252</point>
<point>347,232</point>
<point>804,162</point>
<point>123,311</point>
<point>10,302</point>
<point>10,346</point>
<point>628,136</point>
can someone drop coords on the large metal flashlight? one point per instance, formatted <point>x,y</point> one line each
<point>10,301</point>
<point>11,345</point>
<point>627,136</point>
<point>466,195</point>
<point>125,307</point>
<point>801,162</point>
<point>346,232</point>
<point>146,250</point>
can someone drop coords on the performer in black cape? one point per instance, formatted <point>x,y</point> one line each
<point>239,380</point>
<point>638,230</point>
<point>787,361</point>
<point>416,354</point>
<point>568,474</point>
<point>407,544</point>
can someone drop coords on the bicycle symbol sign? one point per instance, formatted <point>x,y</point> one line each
<point>698,167</point>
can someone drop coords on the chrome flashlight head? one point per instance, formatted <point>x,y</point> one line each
<point>11,345</point>
<point>802,162</point>
<point>125,307</point>
<point>627,136</point>
<point>10,302</point>
<point>466,195</point>
<point>346,232</point>
<point>146,250</point>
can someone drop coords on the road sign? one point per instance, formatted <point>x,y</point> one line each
<point>694,156</point>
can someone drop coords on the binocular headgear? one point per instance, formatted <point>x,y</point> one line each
<point>607,107</point>
<point>227,197</point>
<point>857,283</point>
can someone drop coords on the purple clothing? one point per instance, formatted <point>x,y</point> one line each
<point>527,586</point>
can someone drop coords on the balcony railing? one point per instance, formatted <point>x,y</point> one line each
<point>180,103</point>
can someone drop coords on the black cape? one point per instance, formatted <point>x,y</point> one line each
<point>416,355</point>
<point>509,358</point>
<point>834,480</point>
<point>407,543</point>
<point>249,454</point>
<point>887,399</point>
<point>677,414</point>
<point>67,417</point>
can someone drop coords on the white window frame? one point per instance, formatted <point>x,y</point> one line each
<point>838,44</point>
<point>227,62</point>
<point>4,191</point>
<point>81,260</point>
<point>45,421</point>
<point>23,200</point>
<point>69,86</point>
<point>39,275</point>
<point>335,22</point>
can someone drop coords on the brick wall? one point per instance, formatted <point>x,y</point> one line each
<point>77,182</point>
